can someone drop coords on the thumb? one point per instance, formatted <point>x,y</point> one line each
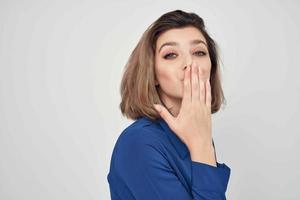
<point>164,113</point>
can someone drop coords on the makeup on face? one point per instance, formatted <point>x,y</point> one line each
<point>172,43</point>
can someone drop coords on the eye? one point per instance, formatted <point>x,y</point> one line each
<point>200,52</point>
<point>167,55</point>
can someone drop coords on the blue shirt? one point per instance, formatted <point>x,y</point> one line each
<point>150,162</point>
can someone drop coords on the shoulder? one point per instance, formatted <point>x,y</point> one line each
<point>143,136</point>
<point>140,147</point>
<point>141,131</point>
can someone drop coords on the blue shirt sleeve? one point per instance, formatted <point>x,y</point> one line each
<point>209,182</point>
<point>146,172</point>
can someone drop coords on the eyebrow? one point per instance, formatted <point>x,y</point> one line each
<point>193,42</point>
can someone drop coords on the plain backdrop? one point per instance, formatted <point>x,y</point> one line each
<point>61,63</point>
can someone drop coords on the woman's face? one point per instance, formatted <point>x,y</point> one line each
<point>175,49</point>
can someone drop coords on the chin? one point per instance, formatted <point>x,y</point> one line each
<point>178,96</point>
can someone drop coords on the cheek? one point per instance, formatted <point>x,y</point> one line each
<point>164,75</point>
<point>205,68</point>
<point>163,72</point>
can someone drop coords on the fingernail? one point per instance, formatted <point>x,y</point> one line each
<point>157,107</point>
<point>195,68</point>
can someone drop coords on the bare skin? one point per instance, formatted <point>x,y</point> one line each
<point>184,88</point>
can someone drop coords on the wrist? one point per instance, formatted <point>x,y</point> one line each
<point>198,144</point>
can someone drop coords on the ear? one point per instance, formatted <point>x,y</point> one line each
<point>156,83</point>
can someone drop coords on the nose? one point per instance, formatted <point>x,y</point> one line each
<point>188,61</point>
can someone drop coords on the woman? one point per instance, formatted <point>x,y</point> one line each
<point>170,87</point>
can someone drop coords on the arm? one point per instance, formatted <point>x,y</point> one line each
<point>146,172</point>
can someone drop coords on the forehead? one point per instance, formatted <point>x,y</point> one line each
<point>180,35</point>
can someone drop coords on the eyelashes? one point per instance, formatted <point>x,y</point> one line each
<point>199,53</point>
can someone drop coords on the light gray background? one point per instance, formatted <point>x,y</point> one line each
<point>60,68</point>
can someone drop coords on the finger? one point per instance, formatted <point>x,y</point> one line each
<point>202,91</point>
<point>201,85</point>
<point>165,114</point>
<point>187,94</point>
<point>208,94</point>
<point>195,83</point>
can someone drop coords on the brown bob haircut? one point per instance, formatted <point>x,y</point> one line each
<point>138,90</point>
